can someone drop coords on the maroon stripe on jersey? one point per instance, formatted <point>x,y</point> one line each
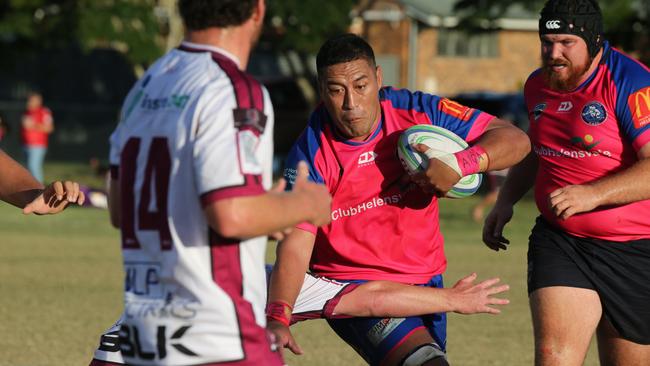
<point>248,91</point>
<point>251,187</point>
<point>227,274</point>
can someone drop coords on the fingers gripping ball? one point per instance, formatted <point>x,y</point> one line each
<point>441,141</point>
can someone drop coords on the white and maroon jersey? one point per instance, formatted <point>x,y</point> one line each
<point>195,129</point>
<point>590,133</point>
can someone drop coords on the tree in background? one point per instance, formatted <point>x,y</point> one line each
<point>129,26</point>
<point>627,22</point>
<point>304,25</point>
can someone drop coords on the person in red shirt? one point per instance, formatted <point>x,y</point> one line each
<point>37,126</point>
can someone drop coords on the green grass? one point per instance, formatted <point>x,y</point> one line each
<point>61,282</point>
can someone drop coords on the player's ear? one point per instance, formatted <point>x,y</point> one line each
<point>380,77</point>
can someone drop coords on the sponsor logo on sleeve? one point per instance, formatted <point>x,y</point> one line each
<point>639,104</point>
<point>250,117</point>
<point>537,111</point>
<point>594,113</point>
<point>456,110</point>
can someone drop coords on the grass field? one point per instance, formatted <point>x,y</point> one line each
<point>61,282</point>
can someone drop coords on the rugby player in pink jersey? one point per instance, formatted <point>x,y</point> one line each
<point>589,252</point>
<point>383,226</point>
<point>19,188</point>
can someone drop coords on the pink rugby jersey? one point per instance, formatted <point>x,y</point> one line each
<point>380,229</point>
<point>589,133</point>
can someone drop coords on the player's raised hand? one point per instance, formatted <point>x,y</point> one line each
<point>55,198</point>
<point>283,337</point>
<point>438,178</point>
<point>315,196</point>
<point>470,298</point>
<point>570,200</point>
<point>495,221</point>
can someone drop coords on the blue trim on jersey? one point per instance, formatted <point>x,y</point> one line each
<point>305,149</point>
<point>360,143</point>
<point>427,103</point>
<point>629,76</point>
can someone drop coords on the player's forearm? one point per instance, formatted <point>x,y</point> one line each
<point>390,299</point>
<point>17,186</point>
<point>520,180</point>
<point>292,261</point>
<point>246,217</point>
<point>627,186</point>
<point>505,145</point>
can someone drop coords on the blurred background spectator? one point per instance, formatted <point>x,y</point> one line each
<point>37,125</point>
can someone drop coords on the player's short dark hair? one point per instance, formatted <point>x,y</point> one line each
<point>344,48</point>
<point>202,14</point>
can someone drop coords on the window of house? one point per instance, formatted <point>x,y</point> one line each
<point>456,43</point>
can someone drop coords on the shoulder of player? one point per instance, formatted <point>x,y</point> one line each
<point>625,68</point>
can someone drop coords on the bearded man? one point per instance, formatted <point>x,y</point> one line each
<point>589,252</point>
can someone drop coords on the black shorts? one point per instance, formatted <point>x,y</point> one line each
<point>618,271</point>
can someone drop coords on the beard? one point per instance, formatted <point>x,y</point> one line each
<point>568,81</point>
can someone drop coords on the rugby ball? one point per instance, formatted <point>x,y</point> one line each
<point>440,139</point>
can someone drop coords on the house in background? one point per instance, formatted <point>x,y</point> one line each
<point>418,45</point>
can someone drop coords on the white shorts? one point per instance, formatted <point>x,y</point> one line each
<point>318,297</point>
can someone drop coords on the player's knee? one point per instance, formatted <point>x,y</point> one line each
<point>426,354</point>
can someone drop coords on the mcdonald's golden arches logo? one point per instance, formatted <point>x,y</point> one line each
<point>639,104</point>
<point>455,109</point>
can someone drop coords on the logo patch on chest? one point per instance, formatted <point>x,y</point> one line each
<point>537,111</point>
<point>594,113</point>
<point>367,158</point>
<point>565,106</point>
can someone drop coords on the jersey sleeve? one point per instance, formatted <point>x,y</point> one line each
<point>228,146</point>
<point>633,101</point>
<point>466,122</point>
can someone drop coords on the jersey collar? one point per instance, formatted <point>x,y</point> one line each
<point>201,47</point>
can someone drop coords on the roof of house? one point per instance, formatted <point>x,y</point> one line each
<point>441,13</point>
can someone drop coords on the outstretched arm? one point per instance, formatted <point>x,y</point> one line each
<point>20,189</point>
<point>390,299</point>
<point>273,211</point>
